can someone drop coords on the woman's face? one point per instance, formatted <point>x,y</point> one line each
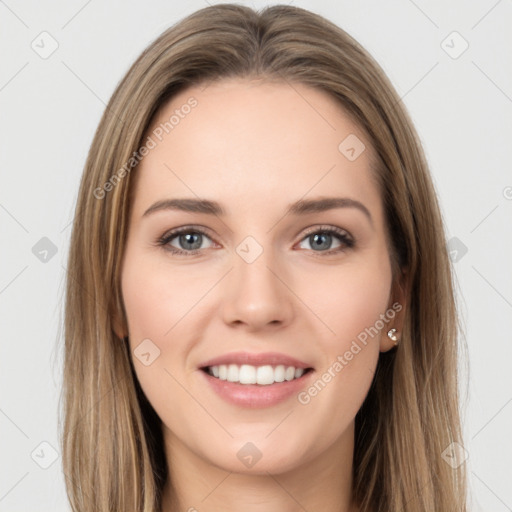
<point>267,276</point>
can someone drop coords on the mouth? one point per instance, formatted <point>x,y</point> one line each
<point>263,369</point>
<point>263,375</point>
<point>256,381</point>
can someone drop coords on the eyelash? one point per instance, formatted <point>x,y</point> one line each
<point>341,234</point>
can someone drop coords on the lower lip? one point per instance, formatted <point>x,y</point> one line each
<point>255,396</point>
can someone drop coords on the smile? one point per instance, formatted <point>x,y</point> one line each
<point>249,374</point>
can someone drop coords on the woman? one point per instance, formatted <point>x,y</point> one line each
<point>301,353</point>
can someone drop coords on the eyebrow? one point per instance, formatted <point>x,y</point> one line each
<point>301,207</point>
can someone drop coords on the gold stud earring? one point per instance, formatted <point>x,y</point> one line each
<point>392,335</point>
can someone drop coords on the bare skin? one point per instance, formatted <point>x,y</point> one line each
<point>255,148</point>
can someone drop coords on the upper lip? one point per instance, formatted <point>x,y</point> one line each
<point>264,358</point>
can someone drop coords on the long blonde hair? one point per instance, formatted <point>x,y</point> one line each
<point>112,447</point>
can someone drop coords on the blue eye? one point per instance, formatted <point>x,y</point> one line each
<point>323,240</point>
<point>190,240</point>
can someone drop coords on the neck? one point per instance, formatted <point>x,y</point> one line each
<point>321,483</point>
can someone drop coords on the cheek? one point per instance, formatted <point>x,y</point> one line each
<point>351,303</point>
<point>164,306</point>
<point>351,300</point>
<point>153,307</point>
<point>155,299</point>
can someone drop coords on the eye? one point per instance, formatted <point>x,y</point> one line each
<point>188,240</point>
<point>321,238</point>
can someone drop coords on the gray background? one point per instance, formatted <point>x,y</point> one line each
<point>50,107</point>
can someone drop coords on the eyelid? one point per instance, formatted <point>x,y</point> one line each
<point>165,239</point>
<point>186,229</point>
<point>208,231</point>
<point>327,227</point>
<point>349,241</point>
<point>346,240</point>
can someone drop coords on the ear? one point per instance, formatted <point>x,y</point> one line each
<point>118,329</point>
<point>118,324</point>
<point>396,311</point>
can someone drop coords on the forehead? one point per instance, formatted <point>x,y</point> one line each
<point>247,142</point>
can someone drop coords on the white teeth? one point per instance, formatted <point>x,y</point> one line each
<point>279,372</point>
<point>232,373</point>
<point>248,374</point>
<point>265,375</point>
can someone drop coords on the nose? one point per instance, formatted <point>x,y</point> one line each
<point>257,294</point>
